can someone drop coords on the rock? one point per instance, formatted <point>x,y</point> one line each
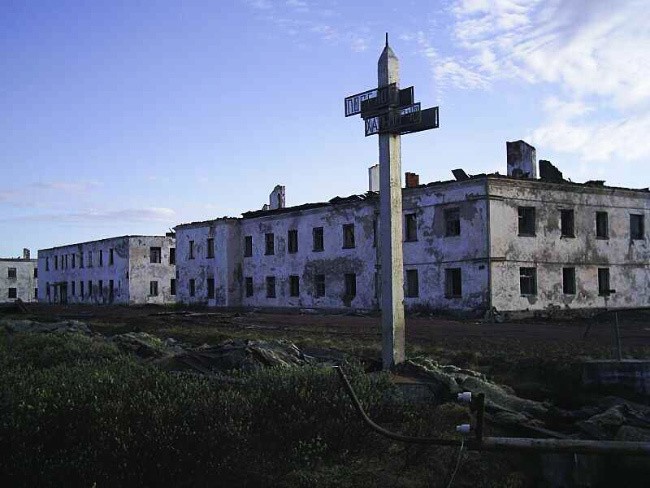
<point>141,344</point>
<point>635,434</point>
<point>64,326</point>
<point>604,425</point>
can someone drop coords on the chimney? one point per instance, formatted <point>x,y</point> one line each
<point>276,198</point>
<point>373,178</point>
<point>522,160</point>
<point>412,180</point>
<point>25,253</point>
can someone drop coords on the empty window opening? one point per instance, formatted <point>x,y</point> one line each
<point>56,262</point>
<point>526,221</point>
<point>11,272</point>
<point>637,230</point>
<point>528,281</point>
<point>350,285</point>
<point>90,259</point>
<point>294,286</point>
<point>100,287</point>
<point>111,289</point>
<point>90,288</point>
<point>292,238</point>
<point>270,287</point>
<point>74,260</point>
<point>36,293</point>
<point>567,223</point>
<point>192,287</point>
<point>453,283</point>
<point>191,250</point>
<point>47,264</point>
<point>452,222</point>
<point>172,286</point>
<point>319,285</point>
<point>81,259</point>
<point>411,227</point>
<point>35,272</point>
<point>248,246</point>
<point>111,256</point>
<point>412,283</point>
<point>249,286</point>
<point>210,287</point>
<point>210,251</point>
<point>81,289</point>
<point>602,225</point>
<point>348,236</point>
<point>153,288</point>
<point>603,282</point>
<point>569,281</point>
<point>101,258</point>
<point>155,254</point>
<point>72,288</point>
<point>269,239</point>
<point>318,243</point>
<point>13,293</point>
<point>172,255</point>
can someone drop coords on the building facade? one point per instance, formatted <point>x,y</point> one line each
<point>18,279</point>
<point>120,270</point>
<point>512,242</point>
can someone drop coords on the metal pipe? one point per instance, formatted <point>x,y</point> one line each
<point>578,446</point>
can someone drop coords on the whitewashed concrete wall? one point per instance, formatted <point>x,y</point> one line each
<point>333,262</point>
<point>130,271</point>
<point>434,251</point>
<point>142,271</point>
<point>628,260</point>
<point>224,267</point>
<point>25,282</point>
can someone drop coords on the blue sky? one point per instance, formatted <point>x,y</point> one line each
<point>127,117</point>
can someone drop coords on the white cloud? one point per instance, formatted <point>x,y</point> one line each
<point>146,214</point>
<point>66,186</point>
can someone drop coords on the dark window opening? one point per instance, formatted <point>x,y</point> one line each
<point>374,232</point>
<point>248,246</point>
<point>90,259</point>
<point>35,272</point>
<point>569,281</point>
<point>155,254</point>
<point>270,287</point>
<point>637,230</point>
<point>412,283</point>
<point>191,253</point>
<point>318,244</point>
<point>172,286</point>
<point>452,222</point>
<point>11,272</point>
<point>210,249</point>
<point>294,286</point>
<point>269,240</point>
<point>172,255</point>
<point>56,262</point>
<point>602,225</point>
<point>100,287</point>
<point>90,288</point>
<point>81,289</point>
<point>111,256</point>
<point>567,223</point>
<point>111,288</point>
<point>603,282</point>
<point>72,288</point>
<point>13,293</point>
<point>348,236</point>
<point>350,285</point>
<point>192,287</point>
<point>528,281</point>
<point>210,287</point>
<point>101,258</point>
<point>453,283</point>
<point>74,260</point>
<point>153,288</point>
<point>81,259</point>
<point>47,264</point>
<point>411,225</point>
<point>249,286</point>
<point>36,293</point>
<point>526,221</point>
<point>292,239</point>
<point>319,285</point>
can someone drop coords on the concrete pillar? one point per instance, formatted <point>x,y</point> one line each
<point>390,214</point>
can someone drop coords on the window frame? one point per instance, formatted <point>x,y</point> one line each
<point>639,235</point>
<point>452,221</point>
<point>412,284</point>
<point>532,277</point>
<point>569,232</point>
<point>269,244</point>
<point>318,239</point>
<point>527,221</point>
<point>569,285</point>
<point>600,216</point>
<point>453,283</point>
<point>348,236</point>
<point>410,227</point>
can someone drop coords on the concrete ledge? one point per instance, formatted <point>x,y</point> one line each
<point>633,374</point>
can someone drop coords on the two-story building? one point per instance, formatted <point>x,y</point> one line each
<point>18,279</point>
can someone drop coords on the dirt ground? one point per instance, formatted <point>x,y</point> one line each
<point>531,337</point>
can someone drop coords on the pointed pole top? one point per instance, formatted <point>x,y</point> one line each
<point>386,39</point>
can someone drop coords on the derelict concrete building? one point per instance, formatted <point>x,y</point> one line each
<point>512,242</point>
<point>18,279</point>
<point>121,270</point>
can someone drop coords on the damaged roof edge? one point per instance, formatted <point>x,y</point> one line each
<point>101,240</point>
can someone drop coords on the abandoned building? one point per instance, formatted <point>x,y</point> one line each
<point>121,270</point>
<point>18,279</point>
<point>515,242</point>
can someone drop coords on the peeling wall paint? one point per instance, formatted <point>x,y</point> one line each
<point>88,265</point>
<point>24,282</point>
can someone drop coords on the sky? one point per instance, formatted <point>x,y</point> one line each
<point>122,117</point>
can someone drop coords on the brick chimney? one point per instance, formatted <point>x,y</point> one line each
<point>412,180</point>
<point>522,160</point>
<point>25,253</point>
